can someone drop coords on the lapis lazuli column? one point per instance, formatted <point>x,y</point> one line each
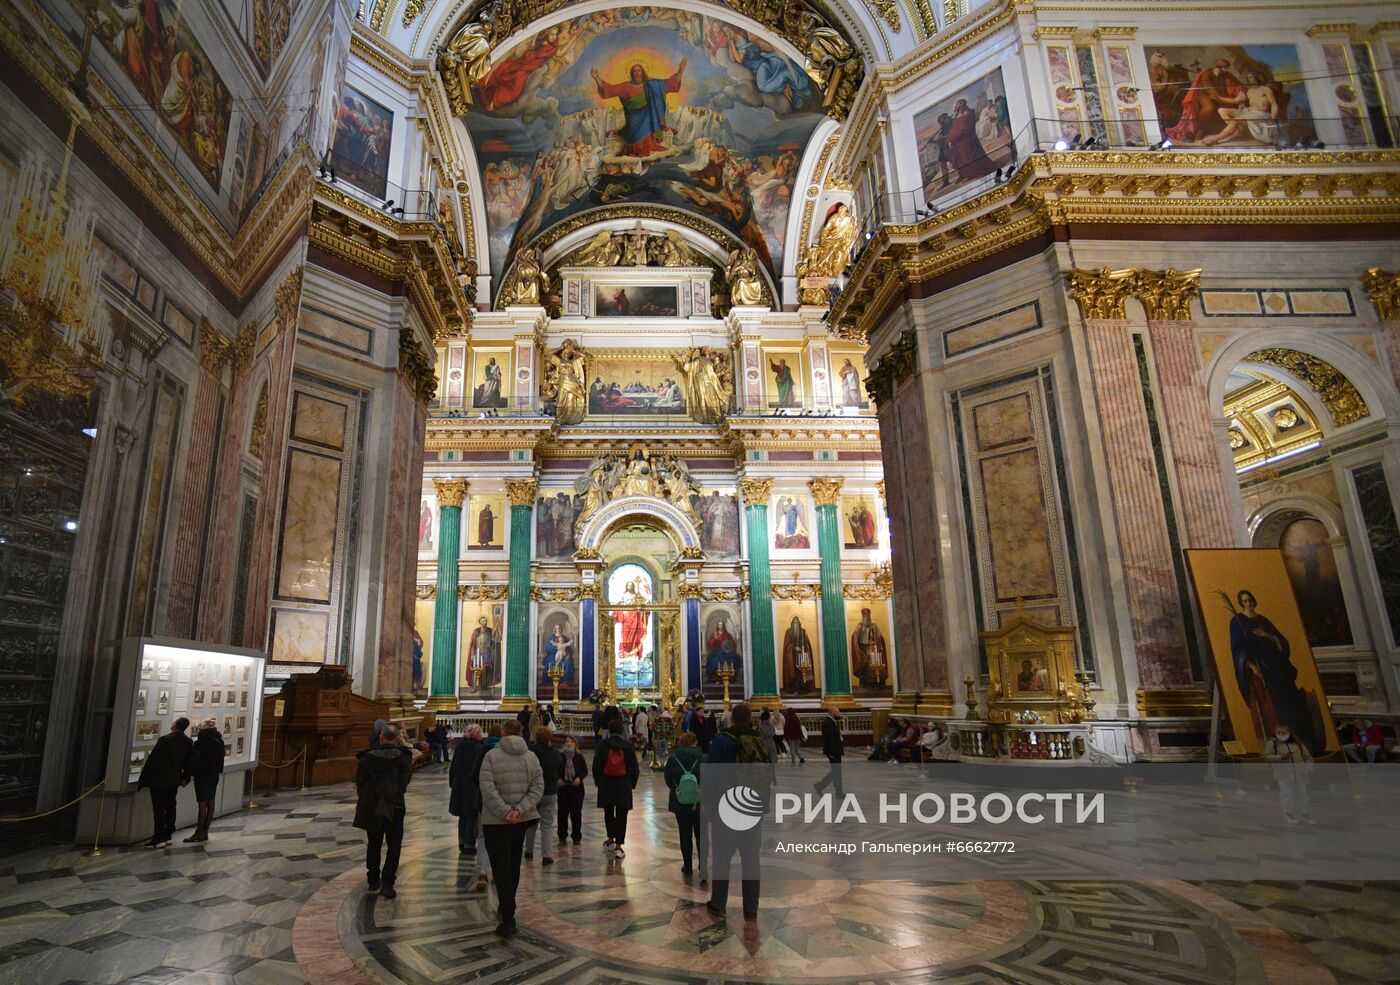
<point>827,493</point>
<point>692,643</point>
<point>587,654</point>
<point>442,692</point>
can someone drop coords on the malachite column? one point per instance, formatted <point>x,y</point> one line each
<point>517,676</point>
<point>765,671</point>
<point>827,493</point>
<point>442,692</point>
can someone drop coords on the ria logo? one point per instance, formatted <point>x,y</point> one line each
<point>741,808</point>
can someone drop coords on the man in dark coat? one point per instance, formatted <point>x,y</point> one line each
<point>166,770</point>
<point>615,771</point>
<point>381,780</point>
<point>552,763</point>
<point>463,804</point>
<point>833,747</point>
<point>740,743</point>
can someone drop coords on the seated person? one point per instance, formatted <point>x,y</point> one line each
<point>882,747</point>
<point>932,736</point>
<point>1362,739</point>
<point>907,740</point>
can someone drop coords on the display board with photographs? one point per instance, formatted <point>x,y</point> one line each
<point>162,681</point>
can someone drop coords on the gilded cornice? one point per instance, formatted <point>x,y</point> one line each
<point>1318,30</point>
<point>386,58</point>
<point>1383,288</point>
<point>866,593</point>
<point>798,593</point>
<point>484,593</point>
<point>450,492</point>
<point>768,433</point>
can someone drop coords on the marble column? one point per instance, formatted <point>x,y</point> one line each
<point>836,669</point>
<point>756,493</point>
<point>1383,288</point>
<point>1148,593</point>
<point>521,493</point>
<point>588,650</point>
<point>442,691</point>
<point>1186,411</point>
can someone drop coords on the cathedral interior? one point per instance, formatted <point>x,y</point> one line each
<point>1022,372</point>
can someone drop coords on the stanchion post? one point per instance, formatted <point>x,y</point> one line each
<point>95,851</point>
<point>304,761</point>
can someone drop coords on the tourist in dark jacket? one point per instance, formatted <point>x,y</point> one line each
<point>552,763</point>
<point>206,763</point>
<point>381,779</point>
<point>685,758</point>
<point>573,770</point>
<point>473,795</point>
<point>739,743</point>
<point>833,747</point>
<point>615,771</point>
<point>165,771</point>
<point>462,803</point>
<point>705,728</point>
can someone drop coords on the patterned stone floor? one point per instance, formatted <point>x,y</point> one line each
<point>278,896</point>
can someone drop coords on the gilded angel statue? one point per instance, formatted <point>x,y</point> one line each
<point>833,247</point>
<point>745,282</point>
<point>597,484</point>
<point>707,378</point>
<point>526,284</point>
<point>604,250</point>
<point>463,63</point>
<point>564,383</point>
<point>680,486</point>
<point>674,251</point>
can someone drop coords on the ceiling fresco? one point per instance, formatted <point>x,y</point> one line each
<point>642,105</point>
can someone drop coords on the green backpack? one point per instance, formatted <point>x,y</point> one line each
<point>687,788</point>
<point>751,749</point>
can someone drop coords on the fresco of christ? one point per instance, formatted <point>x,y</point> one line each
<point>643,109</point>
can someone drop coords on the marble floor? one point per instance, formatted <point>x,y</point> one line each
<point>278,895</point>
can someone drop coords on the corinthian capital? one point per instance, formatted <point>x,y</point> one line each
<point>1101,293</point>
<point>451,492</point>
<point>1167,295</point>
<point>826,492</point>
<point>756,491</point>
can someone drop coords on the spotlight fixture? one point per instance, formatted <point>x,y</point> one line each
<point>1163,144</point>
<point>999,177</point>
<point>1092,144</point>
<point>70,525</point>
<point>1062,144</point>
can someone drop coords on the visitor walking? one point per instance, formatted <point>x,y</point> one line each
<point>780,732</point>
<point>165,771</point>
<point>552,765</point>
<point>739,743</point>
<point>683,781</point>
<point>793,735</point>
<point>511,786</point>
<point>834,748</point>
<point>1292,767</point>
<point>769,735</point>
<point>463,801</point>
<point>206,764</point>
<point>381,779</point>
<point>482,872</point>
<point>615,772</point>
<point>572,772</point>
<point>704,728</point>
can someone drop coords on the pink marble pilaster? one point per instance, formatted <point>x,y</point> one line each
<point>1149,582</point>
<point>1186,413</point>
<point>405,479</point>
<point>225,507</point>
<point>194,506</point>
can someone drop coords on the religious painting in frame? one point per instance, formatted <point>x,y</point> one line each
<point>490,377</point>
<point>157,50</point>
<point>861,519</point>
<point>422,666</point>
<point>634,386</point>
<point>784,383</point>
<point>556,512</point>
<point>558,646</point>
<point>1263,664</point>
<point>848,376</point>
<point>791,518</point>
<point>721,645</point>
<point>1312,568</point>
<point>650,105</point>
<point>870,655</point>
<point>964,136</point>
<point>797,632</point>
<point>360,146</point>
<point>483,644</point>
<point>635,300</point>
<point>486,522</point>
<point>718,511</point>
<point>1230,94</point>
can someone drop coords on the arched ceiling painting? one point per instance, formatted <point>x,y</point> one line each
<point>642,105</point>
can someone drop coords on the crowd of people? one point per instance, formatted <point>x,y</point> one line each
<point>903,735</point>
<point>510,783</point>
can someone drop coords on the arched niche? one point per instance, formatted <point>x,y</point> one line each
<point>669,519</point>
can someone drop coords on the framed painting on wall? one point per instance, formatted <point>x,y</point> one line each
<point>422,644</point>
<point>558,647</point>
<point>1263,663</point>
<point>635,300</point>
<point>797,627</point>
<point>360,146</point>
<point>1230,94</point>
<point>792,523</point>
<point>785,387</point>
<point>634,387</point>
<point>964,136</point>
<point>869,653</point>
<point>486,522</point>
<point>860,522</point>
<point>722,639</point>
<point>483,635</point>
<point>490,376</point>
<point>848,380</point>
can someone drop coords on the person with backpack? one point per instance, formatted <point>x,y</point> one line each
<point>573,771</point>
<point>683,780</point>
<point>483,860</point>
<point>462,803</point>
<point>739,743</point>
<point>381,780</point>
<point>552,763</point>
<point>615,771</point>
<point>165,771</point>
<point>205,767</point>
<point>512,783</point>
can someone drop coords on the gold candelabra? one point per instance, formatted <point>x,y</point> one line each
<point>556,674</point>
<point>725,673</point>
<point>970,683</point>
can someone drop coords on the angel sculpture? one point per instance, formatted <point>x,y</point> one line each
<point>526,284</point>
<point>674,251</point>
<point>564,383</point>
<point>707,377</point>
<point>745,282</point>
<point>463,63</point>
<point>596,484</point>
<point>604,250</point>
<point>680,486</point>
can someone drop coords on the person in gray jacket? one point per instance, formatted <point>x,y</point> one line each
<point>512,784</point>
<point>552,763</point>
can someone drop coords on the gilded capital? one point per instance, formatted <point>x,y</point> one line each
<point>214,349</point>
<point>1383,288</point>
<point>1167,295</point>
<point>450,492</point>
<point>1101,293</point>
<point>826,492</point>
<point>880,488</point>
<point>521,492</point>
<point>756,491</point>
<point>288,298</point>
<point>243,348</point>
<point>417,367</point>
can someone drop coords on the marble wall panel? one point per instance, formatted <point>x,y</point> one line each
<point>298,636</point>
<point>328,328</point>
<point>992,329</point>
<point>161,446</point>
<point>309,518</point>
<point>1018,536</point>
<point>317,421</point>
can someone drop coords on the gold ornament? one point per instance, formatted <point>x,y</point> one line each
<point>417,367</point>
<point>450,492</point>
<point>756,492</point>
<point>898,363</point>
<point>744,281</point>
<point>825,492</point>
<point>463,63</point>
<point>526,283</point>
<point>1383,288</point>
<point>1340,396</point>
<point>566,382</point>
<point>1167,295</point>
<point>707,378</point>
<point>521,492</point>
<point>1101,293</point>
